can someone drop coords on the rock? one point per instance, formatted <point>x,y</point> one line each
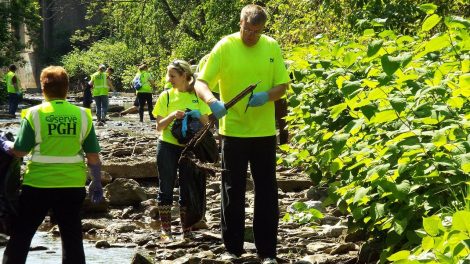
<point>343,248</point>
<point>3,239</point>
<point>316,193</point>
<point>121,227</point>
<point>293,185</point>
<point>125,192</point>
<point>38,248</point>
<point>89,208</point>
<point>319,246</point>
<point>102,244</point>
<point>332,231</point>
<point>139,167</point>
<point>139,258</point>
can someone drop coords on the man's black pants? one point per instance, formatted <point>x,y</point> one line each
<point>260,153</point>
<point>65,204</point>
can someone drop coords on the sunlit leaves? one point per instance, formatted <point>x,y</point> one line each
<point>428,8</point>
<point>430,22</point>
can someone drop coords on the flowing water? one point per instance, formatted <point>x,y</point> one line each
<point>53,254</point>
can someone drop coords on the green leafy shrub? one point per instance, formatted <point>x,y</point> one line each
<point>302,214</point>
<point>383,120</point>
<point>445,240</point>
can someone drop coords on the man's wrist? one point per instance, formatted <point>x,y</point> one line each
<point>211,100</point>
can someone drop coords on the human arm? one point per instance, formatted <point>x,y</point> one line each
<point>217,107</point>
<point>163,122</point>
<point>110,84</point>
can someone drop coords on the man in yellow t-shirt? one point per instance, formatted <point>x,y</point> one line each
<point>249,133</point>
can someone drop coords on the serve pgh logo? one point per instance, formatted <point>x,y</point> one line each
<point>61,125</point>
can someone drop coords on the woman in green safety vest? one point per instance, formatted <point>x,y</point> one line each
<point>59,136</point>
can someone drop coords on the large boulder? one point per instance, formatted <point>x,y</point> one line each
<point>124,192</point>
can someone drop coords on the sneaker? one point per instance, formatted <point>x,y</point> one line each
<point>228,256</point>
<point>269,261</point>
<point>100,123</point>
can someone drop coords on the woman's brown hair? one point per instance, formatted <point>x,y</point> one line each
<point>54,82</point>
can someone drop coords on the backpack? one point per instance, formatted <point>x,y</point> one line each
<point>136,82</point>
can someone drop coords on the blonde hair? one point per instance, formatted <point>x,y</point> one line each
<point>183,67</point>
<point>54,82</point>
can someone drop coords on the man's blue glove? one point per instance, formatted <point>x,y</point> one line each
<point>218,109</point>
<point>6,145</point>
<point>95,188</point>
<point>258,99</point>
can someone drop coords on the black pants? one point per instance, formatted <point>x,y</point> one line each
<point>145,97</point>
<point>66,204</point>
<point>260,153</point>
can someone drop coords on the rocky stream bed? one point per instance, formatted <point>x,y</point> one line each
<point>129,216</point>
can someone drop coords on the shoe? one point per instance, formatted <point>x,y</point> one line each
<point>228,256</point>
<point>166,237</point>
<point>100,123</point>
<point>269,261</point>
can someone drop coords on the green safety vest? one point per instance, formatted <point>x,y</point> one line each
<point>145,80</point>
<point>100,83</point>
<point>57,159</point>
<point>9,80</point>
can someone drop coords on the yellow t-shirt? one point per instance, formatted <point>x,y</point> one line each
<point>172,100</point>
<point>234,66</point>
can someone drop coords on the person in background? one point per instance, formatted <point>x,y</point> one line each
<point>87,97</point>
<point>248,129</point>
<point>100,84</point>
<point>13,89</point>
<point>171,105</point>
<point>60,136</point>
<point>144,94</point>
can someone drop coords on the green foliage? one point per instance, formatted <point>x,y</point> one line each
<point>159,31</point>
<point>445,240</point>
<point>383,120</point>
<point>80,64</point>
<point>13,14</point>
<point>302,214</point>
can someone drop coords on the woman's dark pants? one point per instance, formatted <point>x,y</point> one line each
<point>65,204</point>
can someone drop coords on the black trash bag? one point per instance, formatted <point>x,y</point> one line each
<point>10,170</point>
<point>193,126</point>
<point>196,204</point>
<point>207,150</point>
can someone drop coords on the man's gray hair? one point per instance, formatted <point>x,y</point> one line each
<point>254,14</point>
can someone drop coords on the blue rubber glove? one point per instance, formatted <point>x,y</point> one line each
<point>95,188</point>
<point>194,114</point>
<point>6,145</point>
<point>258,99</point>
<point>218,109</point>
<point>184,125</point>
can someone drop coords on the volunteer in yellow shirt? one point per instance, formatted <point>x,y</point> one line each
<point>171,105</point>
<point>60,136</point>
<point>249,137</point>
<point>13,89</point>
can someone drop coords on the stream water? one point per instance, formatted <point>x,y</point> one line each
<point>53,254</point>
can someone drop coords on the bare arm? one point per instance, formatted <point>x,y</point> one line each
<point>277,91</point>
<point>18,154</point>
<point>203,92</point>
<point>93,158</point>
<point>110,84</point>
<point>14,81</point>
<point>163,122</point>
